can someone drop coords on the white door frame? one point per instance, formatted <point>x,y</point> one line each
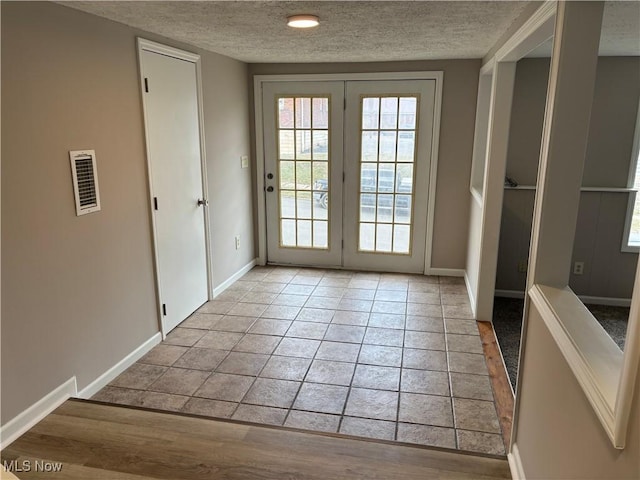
<point>154,47</point>
<point>534,32</point>
<point>258,80</point>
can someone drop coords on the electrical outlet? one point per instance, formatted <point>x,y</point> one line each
<point>578,268</point>
<point>522,266</point>
<point>237,242</point>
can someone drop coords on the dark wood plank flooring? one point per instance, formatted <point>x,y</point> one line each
<point>97,441</point>
<point>502,393</point>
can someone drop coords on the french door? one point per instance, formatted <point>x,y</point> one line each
<point>347,169</point>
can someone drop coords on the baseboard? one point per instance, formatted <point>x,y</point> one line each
<point>20,424</point>
<point>229,281</point>
<point>446,272</point>
<point>586,299</point>
<point>472,297</point>
<point>104,379</point>
<point>515,463</point>
<point>608,301</point>
<point>509,293</point>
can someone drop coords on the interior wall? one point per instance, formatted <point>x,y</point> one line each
<point>608,271</point>
<point>559,435</point>
<point>455,149</point>
<point>79,292</point>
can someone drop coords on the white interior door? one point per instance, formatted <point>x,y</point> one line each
<point>303,168</point>
<point>173,142</point>
<point>388,137</point>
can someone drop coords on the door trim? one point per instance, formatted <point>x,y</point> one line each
<point>154,47</point>
<point>258,81</point>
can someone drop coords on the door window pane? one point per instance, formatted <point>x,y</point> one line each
<point>387,153</point>
<point>303,169</point>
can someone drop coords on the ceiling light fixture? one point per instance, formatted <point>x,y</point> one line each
<point>303,21</point>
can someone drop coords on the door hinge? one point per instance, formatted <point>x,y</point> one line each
<point>343,176</point>
<point>164,309</point>
<point>146,85</point>
<point>155,203</point>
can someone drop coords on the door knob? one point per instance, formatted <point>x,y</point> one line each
<point>269,189</point>
<point>203,201</point>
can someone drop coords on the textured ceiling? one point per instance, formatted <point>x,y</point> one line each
<point>350,31</point>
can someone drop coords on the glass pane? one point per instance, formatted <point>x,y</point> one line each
<point>367,236</point>
<point>407,117</point>
<point>369,150</point>
<point>287,178</point>
<point>303,144</point>
<point>405,179</point>
<point>387,146</point>
<point>389,113</point>
<point>285,113</point>
<point>303,113</point>
<point>383,237</point>
<point>406,146</point>
<point>370,113</point>
<point>403,209</point>
<point>401,238</point>
<point>304,233</point>
<point>320,113</point>
<point>385,208</point>
<point>387,178</point>
<point>303,204</point>
<point>320,234</point>
<point>320,145</point>
<point>288,233</point>
<point>286,145</point>
<point>367,208</point>
<point>287,204</point>
<point>368,177</point>
<point>320,176</point>
<point>320,205</point>
<point>303,175</point>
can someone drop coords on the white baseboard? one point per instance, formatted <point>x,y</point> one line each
<point>472,297</point>
<point>515,463</point>
<point>586,299</point>
<point>229,281</point>
<point>104,379</point>
<point>20,424</point>
<point>446,272</point>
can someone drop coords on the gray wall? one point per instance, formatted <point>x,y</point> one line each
<point>78,292</point>
<point>608,271</point>
<point>456,143</point>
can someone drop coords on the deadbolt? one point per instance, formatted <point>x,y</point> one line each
<point>270,176</point>
<point>269,189</point>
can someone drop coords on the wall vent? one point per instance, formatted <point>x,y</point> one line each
<point>85,181</point>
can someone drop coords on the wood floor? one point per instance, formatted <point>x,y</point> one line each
<point>96,441</point>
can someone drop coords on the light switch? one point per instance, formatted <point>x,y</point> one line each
<point>244,161</point>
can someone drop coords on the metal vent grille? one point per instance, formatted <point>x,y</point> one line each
<point>85,181</point>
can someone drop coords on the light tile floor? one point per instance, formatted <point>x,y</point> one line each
<point>385,356</point>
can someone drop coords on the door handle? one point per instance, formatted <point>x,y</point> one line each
<point>269,189</point>
<point>203,201</point>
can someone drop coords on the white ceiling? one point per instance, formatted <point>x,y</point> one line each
<point>350,31</point>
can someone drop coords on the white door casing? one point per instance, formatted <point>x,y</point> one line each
<point>175,159</point>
